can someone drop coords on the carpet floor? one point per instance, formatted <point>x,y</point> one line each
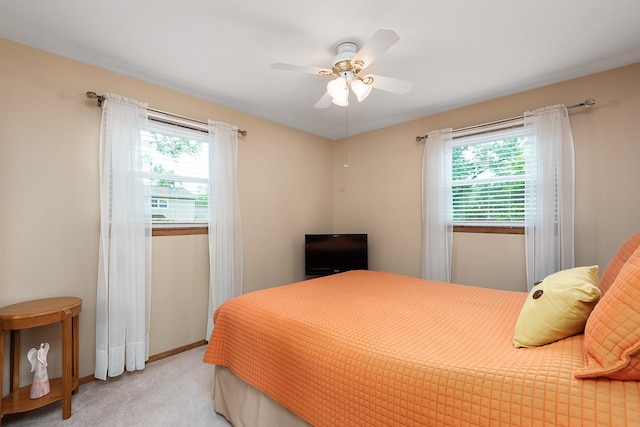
<point>175,391</point>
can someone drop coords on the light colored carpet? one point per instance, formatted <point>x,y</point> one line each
<point>175,391</point>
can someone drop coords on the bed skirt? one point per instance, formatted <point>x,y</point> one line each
<point>245,406</point>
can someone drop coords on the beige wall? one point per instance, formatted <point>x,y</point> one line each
<point>49,210</point>
<point>380,191</point>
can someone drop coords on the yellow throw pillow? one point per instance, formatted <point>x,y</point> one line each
<point>557,307</point>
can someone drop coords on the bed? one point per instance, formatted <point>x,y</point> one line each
<point>368,348</point>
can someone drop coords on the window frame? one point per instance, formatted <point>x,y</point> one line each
<point>178,228</point>
<point>515,126</point>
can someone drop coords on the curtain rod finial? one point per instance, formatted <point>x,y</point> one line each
<point>92,95</point>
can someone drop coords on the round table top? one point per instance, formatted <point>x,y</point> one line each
<point>39,307</point>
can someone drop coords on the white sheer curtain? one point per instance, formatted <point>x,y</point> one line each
<point>124,264</point>
<point>437,221</point>
<point>549,198</point>
<point>225,233</point>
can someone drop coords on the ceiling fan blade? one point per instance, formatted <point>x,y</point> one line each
<point>301,68</point>
<point>389,84</point>
<point>324,102</point>
<point>379,43</point>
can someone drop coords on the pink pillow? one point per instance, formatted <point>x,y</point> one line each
<point>612,332</point>
<point>623,254</point>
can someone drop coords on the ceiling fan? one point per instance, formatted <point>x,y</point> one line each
<point>348,63</point>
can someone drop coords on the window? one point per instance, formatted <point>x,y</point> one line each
<point>488,179</point>
<point>178,174</point>
<point>159,203</point>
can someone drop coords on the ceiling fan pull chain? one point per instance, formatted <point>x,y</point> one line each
<point>346,132</point>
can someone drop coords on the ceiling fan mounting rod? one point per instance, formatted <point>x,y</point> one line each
<point>343,61</point>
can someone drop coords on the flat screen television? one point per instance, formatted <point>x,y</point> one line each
<point>326,254</point>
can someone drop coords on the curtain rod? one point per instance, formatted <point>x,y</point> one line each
<point>587,104</point>
<point>100,98</point>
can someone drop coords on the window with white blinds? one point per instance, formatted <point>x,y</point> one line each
<point>489,178</point>
<point>178,163</point>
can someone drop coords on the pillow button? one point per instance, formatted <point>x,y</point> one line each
<point>537,294</point>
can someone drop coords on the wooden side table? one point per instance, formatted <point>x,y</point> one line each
<point>31,314</point>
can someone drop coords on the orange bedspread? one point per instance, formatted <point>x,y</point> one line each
<point>378,349</point>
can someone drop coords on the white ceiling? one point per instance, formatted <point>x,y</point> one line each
<point>455,52</point>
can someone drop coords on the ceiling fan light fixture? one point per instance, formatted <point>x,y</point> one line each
<point>337,87</point>
<point>341,98</point>
<point>361,89</point>
<point>342,101</point>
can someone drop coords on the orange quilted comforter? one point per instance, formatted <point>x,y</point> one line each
<point>378,349</point>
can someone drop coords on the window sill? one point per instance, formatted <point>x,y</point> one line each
<point>186,230</point>
<point>488,229</point>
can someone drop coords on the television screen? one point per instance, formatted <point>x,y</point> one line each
<point>326,254</point>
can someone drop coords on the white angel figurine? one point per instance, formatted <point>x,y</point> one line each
<point>38,359</point>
